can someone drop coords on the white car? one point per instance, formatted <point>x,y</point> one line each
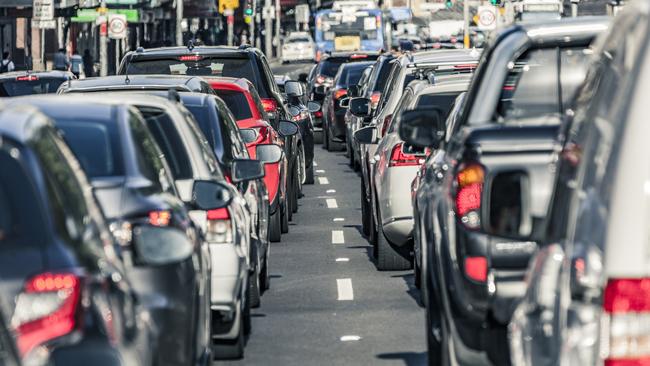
<point>298,46</point>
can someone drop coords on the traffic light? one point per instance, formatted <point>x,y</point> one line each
<point>248,11</point>
<point>449,4</point>
<point>495,2</point>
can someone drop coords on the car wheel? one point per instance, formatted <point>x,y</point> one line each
<point>332,145</point>
<point>285,214</point>
<point>365,212</point>
<point>391,257</point>
<point>231,349</point>
<point>254,287</point>
<point>417,276</point>
<point>265,280</point>
<point>437,336</point>
<point>309,174</point>
<point>318,137</point>
<point>372,235</point>
<point>326,138</point>
<point>275,226</point>
<point>247,322</point>
<point>350,154</point>
<point>296,192</point>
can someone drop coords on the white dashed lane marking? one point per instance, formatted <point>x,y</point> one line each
<point>342,259</point>
<point>338,219</point>
<point>320,171</point>
<point>337,237</point>
<point>331,203</point>
<point>330,191</point>
<point>344,286</point>
<point>350,338</point>
<point>323,180</point>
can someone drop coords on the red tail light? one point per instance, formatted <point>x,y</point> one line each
<point>626,330</point>
<point>269,104</point>
<point>468,195</point>
<point>318,114</point>
<point>374,99</point>
<point>27,78</point>
<point>387,121</point>
<point>190,58</point>
<point>399,158</point>
<point>160,218</point>
<point>219,226</point>
<point>358,56</point>
<point>476,268</point>
<point>218,214</point>
<point>46,309</point>
<point>340,93</point>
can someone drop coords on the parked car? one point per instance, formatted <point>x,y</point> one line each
<point>396,165</point>
<point>334,129</point>
<point>298,46</point>
<point>57,250</point>
<point>13,84</point>
<point>354,91</point>
<point>586,294</point>
<point>136,82</point>
<point>509,121</point>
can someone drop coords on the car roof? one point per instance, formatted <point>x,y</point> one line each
<point>18,122</point>
<point>451,85</point>
<point>342,56</point>
<point>132,82</point>
<point>142,53</point>
<point>61,106</point>
<point>54,74</point>
<point>449,55</point>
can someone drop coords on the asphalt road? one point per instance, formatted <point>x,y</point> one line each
<point>328,304</point>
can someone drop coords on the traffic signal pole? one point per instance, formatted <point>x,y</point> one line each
<point>179,22</point>
<point>466,27</point>
<point>268,29</point>
<point>103,42</point>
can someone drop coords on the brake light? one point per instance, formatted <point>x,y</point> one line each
<point>626,322</point>
<point>387,121</point>
<point>468,195</point>
<point>465,67</point>
<point>46,309</point>
<point>27,78</point>
<point>339,93</point>
<point>190,58</point>
<point>219,226</point>
<point>374,99</point>
<point>318,114</point>
<point>160,218</point>
<point>358,56</point>
<point>399,158</point>
<point>270,105</point>
<point>476,268</point>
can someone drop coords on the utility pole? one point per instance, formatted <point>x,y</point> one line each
<point>179,22</point>
<point>252,24</point>
<point>268,28</point>
<point>230,19</point>
<point>466,27</point>
<point>103,42</point>
<point>278,45</point>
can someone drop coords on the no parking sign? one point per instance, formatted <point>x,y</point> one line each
<point>487,17</point>
<point>117,26</point>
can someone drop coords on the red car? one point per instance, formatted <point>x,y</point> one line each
<point>246,105</point>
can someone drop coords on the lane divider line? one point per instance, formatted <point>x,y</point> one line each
<point>344,286</point>
<point>342,259</point>
<point>323,180</point>
<point>320,171</point>
<point>330,191</point>
<point>338,219</point>
<point>331,203</point>
<point>350,338</point>
<point>337,237</point>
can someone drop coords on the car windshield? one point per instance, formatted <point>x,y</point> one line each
<point>96,144</point>
<point>237,103</point>
<point>201,66</point>
<point>15,87</point>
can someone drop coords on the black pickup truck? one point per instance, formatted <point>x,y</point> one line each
<point>509,121</point>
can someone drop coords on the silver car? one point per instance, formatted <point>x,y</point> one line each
<point>397,165</point>
<point>298,46</point>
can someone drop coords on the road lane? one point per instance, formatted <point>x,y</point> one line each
<point>302,321</point>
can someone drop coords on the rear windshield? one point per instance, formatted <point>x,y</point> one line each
<point>96,144</point>
<point>237,103</point>
<point>206,66</point>
<point>330,67</point>
<point>444,101</point>
<point>298,40</point>
<point>21,224</point>
<point>14,88</point>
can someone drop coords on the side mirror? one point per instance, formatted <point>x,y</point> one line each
<point>158,246</point>
<point>506,207</point>
<point>321,89</point>
<point>294,111</point>
<point>268,153</point>
<point>210,195</point>
<point>246,169</point>
<point>313,107</point>
<point>293,88</point>
<point>248,135</point>
<point>354,91</point>
<point>288,128</point>
<point>422,127</point>
<point>345,102</point>
<point>360,107</point>
<point>366,135</point>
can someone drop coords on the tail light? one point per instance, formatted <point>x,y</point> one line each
<point>453,40</point>
<point>303,115</point>
<point>190,58</point>
<point>476,268</point>
<point>387,121</point>
<point>160,218</point>
<point>399,158</point>
<point>626,322</point>
<point>318,114</point>
<point>46,309</point>
<point>469,188</point>
<point>374,99</point>
<point>27,78</point>
<point>270,105</point>
<point>219,226</point>
<point>358,56</point>
<point>340,93</point>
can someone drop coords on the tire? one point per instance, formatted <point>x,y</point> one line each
<point>326,138</point>
<point>372,235</point>
<point>285,216</point>
<point>226,349</point>
<point>318,137</point>
<point>391,257</point>
<point>275,226</point>
<point>365,212</point>
<point>332,145</point>
<point>417,277</point>
<point>265,279</point>
<point>309,175</point>
<point>350,152</point>
<point>296,192</point>
<point>437,349</point>
<point>255,288</point>
<point>247,322</point>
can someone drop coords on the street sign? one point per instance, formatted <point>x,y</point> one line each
<point>44,24</point>
<point>117,26</point>
<point>91,15</point>
<point>43,10</point>
<point>225,5</point>
<point>487,17</point>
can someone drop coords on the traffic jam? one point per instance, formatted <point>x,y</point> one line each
<point>474,199</point>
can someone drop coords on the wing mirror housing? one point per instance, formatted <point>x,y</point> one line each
<point>422,127</point>
<point>268,153</point>
<point>344,103</point>
<point>288,128</point>
<point>294,88</point>
<point>243,170</point>
<point>313,107</point>
<point>366,135</point>
<point>360,107</point>
<point>210,195</point>
<point>157,246</point>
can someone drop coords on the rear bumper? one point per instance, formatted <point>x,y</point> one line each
<point>227,274</point>
<point>302,54</point>
<point>395,207</point>
<point>337,127</point>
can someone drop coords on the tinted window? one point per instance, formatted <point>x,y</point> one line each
<point>149,155</point>
<point>96,144</point>
<point>382,76</point>
<point>14,88</point>
<point>237,103</point>
<point>330,67</point>
<point>21,224</point>
<point>444,101</point>
<point>208,126</point>
<point>164,132</point>
<point>206,66</point>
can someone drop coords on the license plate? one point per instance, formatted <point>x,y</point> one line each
<point>347,43</point>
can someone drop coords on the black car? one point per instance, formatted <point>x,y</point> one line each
<point>20,83</point>
<point>136,191</point>
<point>334,128</point>
<point>136,82</point>
<point>57,250</point>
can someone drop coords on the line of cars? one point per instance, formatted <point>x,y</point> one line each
<point>137,211</point>
<point>513,180</point>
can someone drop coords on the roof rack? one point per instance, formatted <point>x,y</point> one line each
<point>448,65</point>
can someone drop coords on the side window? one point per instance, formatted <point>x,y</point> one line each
<point>269,75</point>
<point>230,132</point>
<point>402,105</point>
<point>149,155</point>
<point>206,151</point>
